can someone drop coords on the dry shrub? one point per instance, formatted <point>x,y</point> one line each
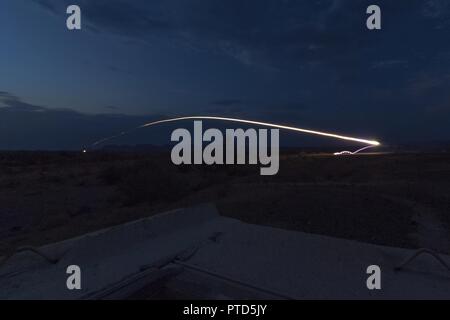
<point>152,183</point>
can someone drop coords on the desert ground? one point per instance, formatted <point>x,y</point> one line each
<point>393,199</point>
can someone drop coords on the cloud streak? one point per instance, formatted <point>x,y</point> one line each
<point>30,127</point>
<point>271,34</point>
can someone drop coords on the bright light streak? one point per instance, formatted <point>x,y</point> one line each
<point>266,124</point>
<point>350,152</point>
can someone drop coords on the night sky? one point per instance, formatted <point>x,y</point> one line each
<point>309,63</point>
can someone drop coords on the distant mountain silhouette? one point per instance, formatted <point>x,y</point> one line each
<point>135,148</point>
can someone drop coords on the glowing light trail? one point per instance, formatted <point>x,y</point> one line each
<point>350,152</point>
<point>371,143</point>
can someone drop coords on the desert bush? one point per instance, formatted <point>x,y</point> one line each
<point>111,175</point>
<point>53,178</point>
<point>152,183</point>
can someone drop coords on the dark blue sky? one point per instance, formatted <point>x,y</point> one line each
<point>307,63</point>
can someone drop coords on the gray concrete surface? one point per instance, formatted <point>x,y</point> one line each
<point>246,257</point>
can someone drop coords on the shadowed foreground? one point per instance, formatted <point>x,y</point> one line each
<point>400,200</point>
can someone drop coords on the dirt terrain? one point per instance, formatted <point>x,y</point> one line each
<point>398,200</point>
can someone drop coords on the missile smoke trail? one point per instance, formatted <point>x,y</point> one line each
<point>371,143</point>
